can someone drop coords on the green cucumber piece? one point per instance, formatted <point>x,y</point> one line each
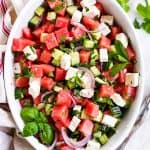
<point>88,43</point>
<point>57,88</point>
<point>103,139</point>
<point>57,54</point>
<point>95,71</point>
<point>51,16</point>
<point>96,35</point>
<point>94,57</point>
<point>35,20</point>
<point>71,10</point>
<point>75,58</point>
<point>100,81</point>
<point>40,11</point>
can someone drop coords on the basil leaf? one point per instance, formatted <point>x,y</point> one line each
<point>124,4</point>
<point>19,93</point>
<point>120,49</point>
<point>146,26</point>
<point>26,72</point>
<point>117,68</point>
<point>136,24</point>
<point>29,114</point>
<point>30,129</point>
<point>46,133</point>
<point>42,118</point>
<point>143,11</point>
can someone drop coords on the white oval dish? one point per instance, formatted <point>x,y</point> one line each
<point>123,20</point>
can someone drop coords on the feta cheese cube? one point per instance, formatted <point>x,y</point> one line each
<point>71,73</point>
<point>77,108</point>
<point>123,39</point>
<point>74,123</point>
<point>103,52</point>
<point>34,86</point>
<point>65,61</point>
<point>17,68</point>
<point>104,29</point>
<point>91,11</point>
<point>132,79</point>
<point>107,19</point>
<point>30,53</point>
<point>93,145</point>
<point>69,2</point>
<point>76,17</point>
<point>88,93</point>
<point>87,3</point>
<point>109,120</point>
<point>118,100</point>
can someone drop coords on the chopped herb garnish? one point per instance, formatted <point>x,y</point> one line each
<point>26,72</point>
<point>19,93</point>
<point>136,24</point>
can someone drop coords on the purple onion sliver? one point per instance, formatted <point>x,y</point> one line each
<point>54,143</point>
<point>73,144</point>
<point>43,95</point>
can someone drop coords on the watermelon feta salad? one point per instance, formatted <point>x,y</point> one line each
<point>74,74</point>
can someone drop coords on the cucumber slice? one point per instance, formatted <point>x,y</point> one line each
<point>103,139</point>
<point>75,58</point>
<point>95,71</point>
<point>51,16</point>
<point>57,54</point>
<point>35,21</point>
<point>96,35</point>
<point>71,10</point>
<point>98,118</point>
<point>94,57</point>
<point>57,88</point>
<point>88,43</point>
<point>100,81</point>
<point>40,11</point>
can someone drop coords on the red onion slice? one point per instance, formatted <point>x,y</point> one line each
<point>91,77</point>
<point>79,48</point>
<point>73,144</point>
<point>43,95</point>
<point>51,147</point>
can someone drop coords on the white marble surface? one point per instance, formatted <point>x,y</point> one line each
<point>141,139</point>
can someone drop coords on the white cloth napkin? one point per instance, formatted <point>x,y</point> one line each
<point>140,140</point>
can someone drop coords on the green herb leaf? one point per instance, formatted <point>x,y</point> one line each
<point>124,4</point>
<point>146,25</point>
<point>46,133</point>
<point>143,11</point>
<point>121,50</point>
<point>26,72</point>
<point>19,93</point>
<point>117,68</point>
<point>136,24</point>
<point>30,129</point>
<point>29,114</point>
<point>42,118</point>
<point>58,7</point>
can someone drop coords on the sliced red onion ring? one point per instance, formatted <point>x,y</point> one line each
<point>73,144</point>
<point>79,48</point>
<point>60,143</point>
<point>51,147</point>
<point>90,37</point>
<point>44,94</point>
<point>82,27</point>
<point>91,76</point>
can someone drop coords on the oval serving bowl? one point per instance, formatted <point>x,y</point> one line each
<point>123,20</point>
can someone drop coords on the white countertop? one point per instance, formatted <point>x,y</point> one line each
<point>141,139</point>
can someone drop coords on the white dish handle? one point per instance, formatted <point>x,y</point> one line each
<point>2,87</point>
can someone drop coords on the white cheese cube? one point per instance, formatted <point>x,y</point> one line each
<point>88,93</point>
<point>34,86</point>
<point>74,123</point>
<point>30,53</point>
<point>86,3</point>
<point>93,145</point>
<point>17,68</point>
<point>107,19</point>
<point>77,108</point>
<point>103,52</point>
<point>118,100</point>
<point>71,73</point>
<point>76,17</point>
<point>65,61</point>
<point>69,2</point>
<point>109,120</point>
<point>91,11</point>
<point>132,79</point>
<point>104,29</point>
<point>123,39</point>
